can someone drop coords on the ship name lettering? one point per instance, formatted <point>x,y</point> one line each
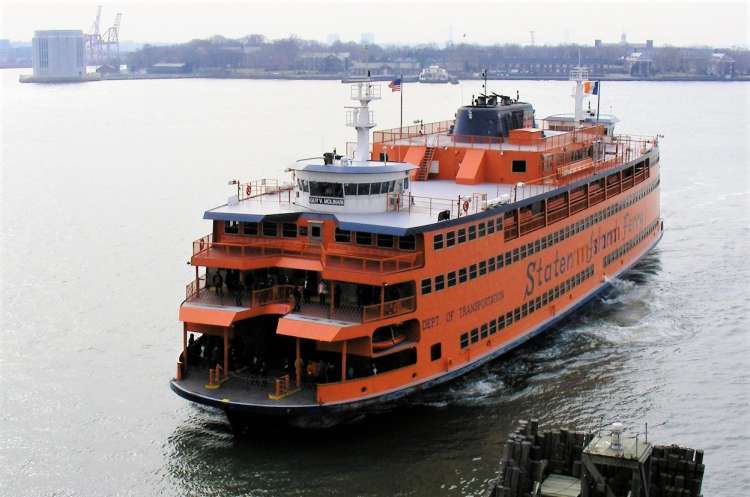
<point>537,274</point>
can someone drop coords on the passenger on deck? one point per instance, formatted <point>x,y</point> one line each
<point>374,369</point>
<point>322,291</point>
<point>307,290</point>
<point>218,283</point>
<point>238,288</point>
<point>297,295</point>
<point>215,356</point>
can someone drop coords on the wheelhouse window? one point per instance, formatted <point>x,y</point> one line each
<point>350,189</point>
<point>289,230</point>
<point>325,189</point>
<point>249,228</point>
<point>343,236</point>
<point>231,227</point>
<point>363,189</point>
<point>270,229</point>
<point>519,166</point>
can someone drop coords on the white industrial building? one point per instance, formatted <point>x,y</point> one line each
<point>58,55</point>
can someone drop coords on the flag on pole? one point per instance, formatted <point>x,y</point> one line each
<point>591,87</point>
<point>595,89</point>
<point>395,85</point>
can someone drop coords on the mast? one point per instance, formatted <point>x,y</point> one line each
<point>361,117</point>
<point>579,74</point>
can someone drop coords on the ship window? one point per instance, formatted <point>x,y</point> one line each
<point>500,322</point>
<point>391,186</point>
<point>499,261</point>
<point>537,245</point>
<point>385,241</point>
<point>343,236</point>
<point>363,238</point>
<point>406,183</point>
<point>305,185</point>
<point>491,264</point>
<point>435,352</point>
<point>249,228</point>
<point>426,286</point>
<point>289,230</point>
<point>515,255</point>
<point>464,340</point>
<point>325,189</point>
<point>473,271</point>
<point>232,227</point>
<point>375,188</point>
<point>475,335</point>
<point>499,223</point>
<point>509,319</point>
<point>439,282</point>
<point>481,229</point>
<point>484,331</point>
<point>350,189</point>
<point>270,229</point>
<point>490,227</point>
<point>493,327</point>
<point>462,275</point>
<point>437,242</point>
<point>472,232</point>
<point>507,258</point>
<point>516,313</point>
<point>522,255</point>
<point>482,268</point>
<point>452,278</point>
<point>384,187</point>
<point>519,166</point>
<point>462,235</point>
<point>363,189</point>
<point>407,242</point>
<point>450,239</point>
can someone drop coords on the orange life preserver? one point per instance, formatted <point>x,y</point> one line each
<point>466,206</point>
<point>248,189</point>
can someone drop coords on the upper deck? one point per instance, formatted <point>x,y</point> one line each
<point>465,176</point>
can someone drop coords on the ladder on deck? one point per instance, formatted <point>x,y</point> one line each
<point>424,165</point>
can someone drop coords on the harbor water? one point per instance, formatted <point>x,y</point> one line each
<point>103,189</point>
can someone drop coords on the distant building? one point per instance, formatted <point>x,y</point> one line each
<point>58,55</point>
<point>332,38</point>
<point>721,65</point>
<point>170,68</point>
<point>391,68</point>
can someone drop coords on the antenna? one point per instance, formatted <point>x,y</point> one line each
<point>484,75</point>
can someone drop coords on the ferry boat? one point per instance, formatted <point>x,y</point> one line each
<point>435,74</point>
<point>422,256</point>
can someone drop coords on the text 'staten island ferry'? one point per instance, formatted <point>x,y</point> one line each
<point>369,278</point>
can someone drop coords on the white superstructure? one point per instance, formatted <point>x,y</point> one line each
<point>58,55</point>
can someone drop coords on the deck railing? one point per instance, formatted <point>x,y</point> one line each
<point>278,294</point>
<point>390,308</point>
<point>205,245</point>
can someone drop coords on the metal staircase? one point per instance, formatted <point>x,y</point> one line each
<point>424,165</point>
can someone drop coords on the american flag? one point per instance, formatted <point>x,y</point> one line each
<point>395,85</point>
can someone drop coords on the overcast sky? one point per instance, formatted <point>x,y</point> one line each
<point>553,22</point>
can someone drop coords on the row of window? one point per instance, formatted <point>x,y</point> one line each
<point>338,190</point>
<point>528,308</point>
<point>472,232</point>
<point>372,239</point>
<point>505,259</point>
<point>291,230</point>
<point>624,249</point>
<point>286,230</point>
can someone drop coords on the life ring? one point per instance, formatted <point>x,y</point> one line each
<point>248,189</point>
<point>466,206</point>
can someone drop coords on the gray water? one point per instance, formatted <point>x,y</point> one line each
<point>103,188</point>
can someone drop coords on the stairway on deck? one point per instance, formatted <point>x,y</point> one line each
<point>424,165</point>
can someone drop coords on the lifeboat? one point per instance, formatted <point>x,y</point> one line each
<point>388,341</point>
